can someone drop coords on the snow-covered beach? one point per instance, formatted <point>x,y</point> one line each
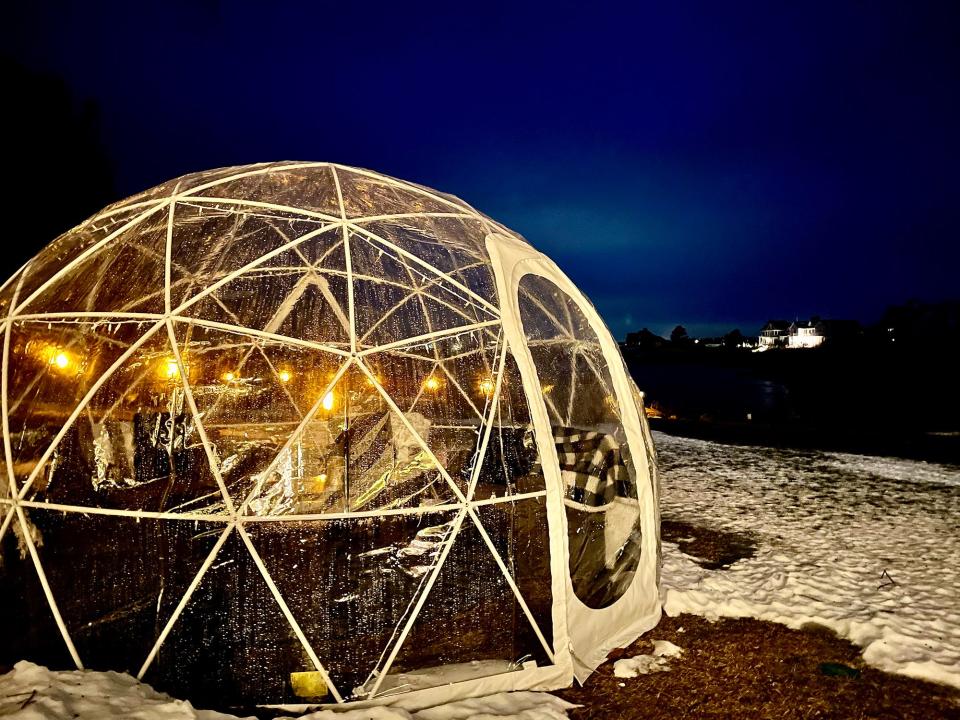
<point>866,546</point>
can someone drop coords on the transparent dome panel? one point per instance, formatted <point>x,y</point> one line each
<point>253,396</point>
<point>367,194</point>
<point>88,269</point>
<point>488,612</point>
<point>99,417</point>
<point>396,297</point>
<point>301,187</point>
<point>596,466</point>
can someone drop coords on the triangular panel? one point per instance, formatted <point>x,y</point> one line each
<point>232,639</point>
<point>135,445</point>
<point>32,633</point>
<point>450,383</point>
<point>252,396</point>
<point>355,453</point>
<point>511,463</point>
<point>396,297</point>
<point>52,366</point>
<point>471,624</point>
<point>309,188</point>
<point>364,578</point>
<point>453,245</point>
<point>212,241</point>
<point>369,194</point>
<point>48,268</point>
<point>300,293</point>
<point>117,600</point>
<point>101,282</point>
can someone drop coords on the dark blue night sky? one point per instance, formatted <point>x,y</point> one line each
<point>711,164</point>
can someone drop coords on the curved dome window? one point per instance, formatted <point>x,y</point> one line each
<point>598,473</point>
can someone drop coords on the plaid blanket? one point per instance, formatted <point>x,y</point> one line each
<point>592,466</point>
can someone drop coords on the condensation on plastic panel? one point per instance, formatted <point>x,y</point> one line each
<point>134,573</point>
<point>351,583</point>
<point>472,623</point>
<point>98,418</point>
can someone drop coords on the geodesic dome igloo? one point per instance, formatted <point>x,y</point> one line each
<point>302,433</point>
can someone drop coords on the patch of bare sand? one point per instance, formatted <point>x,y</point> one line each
<point>710,548</point>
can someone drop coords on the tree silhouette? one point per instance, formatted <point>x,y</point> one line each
<point>733,339</point>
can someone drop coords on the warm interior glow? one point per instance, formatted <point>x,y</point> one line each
<point>170,368</point>
<point>486,386</point>
<point>58,357</point>
<point>229,376</point>
<point>284,376</point>
<point>328,401</point>
<point>431,383</point>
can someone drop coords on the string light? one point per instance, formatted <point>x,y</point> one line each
<point>284,376</point>
<point>170,369</point>
<point>57,357</point>
<point>431,383</point>
<point>487,386</point>
<point>320,482</point>
<point>229,376</point>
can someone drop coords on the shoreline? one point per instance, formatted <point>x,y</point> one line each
<point>942,448</point>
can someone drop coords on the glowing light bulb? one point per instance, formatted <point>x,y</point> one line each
<point>319,482</point>
<point>284,376</point>
<point>61,360</point>
<point>328,401</point>
<point>486,386</point>
<point>431,383</point>
<point>229,376</point>
<point>171,369</point>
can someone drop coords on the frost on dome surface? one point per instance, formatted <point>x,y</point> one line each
<point>268,420</point>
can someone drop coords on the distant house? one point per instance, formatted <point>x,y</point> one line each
<point>774,334</point>
<point>806,334</point>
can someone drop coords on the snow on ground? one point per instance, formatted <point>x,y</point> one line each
<point>31,692</point>
<point>867,546</point>
<point>657,661</point>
